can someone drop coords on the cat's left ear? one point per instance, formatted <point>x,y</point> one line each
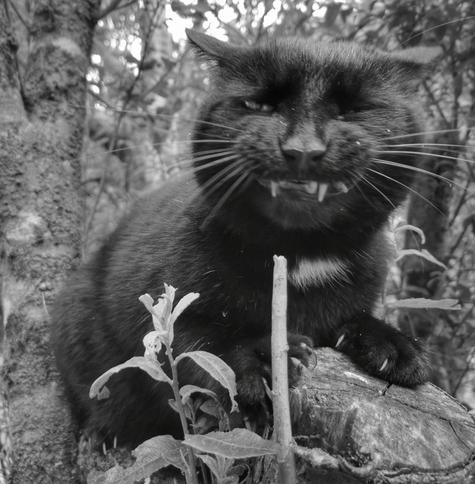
<point>209,47</point>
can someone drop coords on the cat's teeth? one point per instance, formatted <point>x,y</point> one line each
<point>311,187</point>
<point>342,187</point>
<point>273,188</point>
<point>322,191</point>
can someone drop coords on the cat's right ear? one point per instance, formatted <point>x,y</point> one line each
<point>417,60</point>
<point>209,47</point>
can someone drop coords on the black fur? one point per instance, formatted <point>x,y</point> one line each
<point>220,244</point>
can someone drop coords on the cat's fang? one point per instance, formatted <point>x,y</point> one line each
<point>342,187</point>
<point>273,188</point>
<point>322,191</point>
<point>311,187</point>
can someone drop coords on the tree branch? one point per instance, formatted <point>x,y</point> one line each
<point>112,7</point>
<point>436,103</point>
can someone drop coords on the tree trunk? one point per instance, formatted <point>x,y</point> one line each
<point>356,428</point>
<point>40,224</point>
<point>352,428</point>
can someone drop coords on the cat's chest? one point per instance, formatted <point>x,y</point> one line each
<point>318,272</point>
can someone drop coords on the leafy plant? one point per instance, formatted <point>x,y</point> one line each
<point>164,450</point>
<point>447,304</point>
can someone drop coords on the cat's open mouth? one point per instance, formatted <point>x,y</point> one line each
<point>312,187</point>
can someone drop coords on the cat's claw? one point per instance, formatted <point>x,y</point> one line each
<point>340,341</point>
<point>383,351</point>
<point>299,366</point>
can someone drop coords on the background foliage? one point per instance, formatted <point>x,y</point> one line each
<point>145,88</point>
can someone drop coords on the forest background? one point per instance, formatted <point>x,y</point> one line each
<point>98,102</point>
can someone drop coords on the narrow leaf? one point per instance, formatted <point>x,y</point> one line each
<point>182,304</point>
<point>154,370</point>
<point>210,408</point>
<point>147,301</point>
<point>187,390</point>
<point>422,303</point>
<point>152,455</point>
<point>212,464</point>
<point>237,444</point>
<point>420,253</point>
<point>163,446</point>
<point>412,228</point>
<point>217,368</point>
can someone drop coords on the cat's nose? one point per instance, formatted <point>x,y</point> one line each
<point>296,154</point>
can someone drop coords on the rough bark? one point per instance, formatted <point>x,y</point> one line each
<point>40,222</point>
<point>356,428</point>
<point>352,428</point>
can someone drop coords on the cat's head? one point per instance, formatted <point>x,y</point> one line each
<point>302,129</point>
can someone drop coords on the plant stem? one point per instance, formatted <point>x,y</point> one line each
<point>193,477</point>
<point>280,379</point>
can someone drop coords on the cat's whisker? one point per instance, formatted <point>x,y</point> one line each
<point>232,163</point>
<point>434,155</point>
<point>164,115</point>
<point>216,182</point>
<point>219,178</point>
<point>418,170</point>
<point>224,198</point>
<point>195,133</point>
<point>378,190</point>
<point>431,149</point>
<point>441,145</point>
<point>210,164</point>
<point>363,194</point>
<point>186,164</point>
<point>408,188</point>
<point>423,133</point>
<point>204,156</point>
<point>131,147</point>
<point>420,34</point>
<point>190,170</point>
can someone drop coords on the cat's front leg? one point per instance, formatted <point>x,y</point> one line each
<point>383,351</point>
<point>251,361</point>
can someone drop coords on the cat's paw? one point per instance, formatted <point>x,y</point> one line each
<point>252,364</point>
<point>385,352</point>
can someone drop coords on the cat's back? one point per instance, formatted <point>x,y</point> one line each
<point>101,297</point>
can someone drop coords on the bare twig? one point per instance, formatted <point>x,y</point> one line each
<point>18,14</point>
<point>436,103</point>
<point>280,379</point>
<point>463,196</point>
<point>122,113</point>
<point>467,368</point>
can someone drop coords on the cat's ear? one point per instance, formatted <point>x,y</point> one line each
<point>209,47</point>
<point>416,60</point>
<point>412,65</point>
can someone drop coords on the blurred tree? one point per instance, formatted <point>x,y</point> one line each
<point>40,142</point>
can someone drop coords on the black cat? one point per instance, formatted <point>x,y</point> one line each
<point>285,163</point>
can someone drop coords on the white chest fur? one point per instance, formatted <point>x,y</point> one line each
<point>317,272</point>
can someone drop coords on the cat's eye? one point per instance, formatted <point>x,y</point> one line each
<point>255,106</point>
